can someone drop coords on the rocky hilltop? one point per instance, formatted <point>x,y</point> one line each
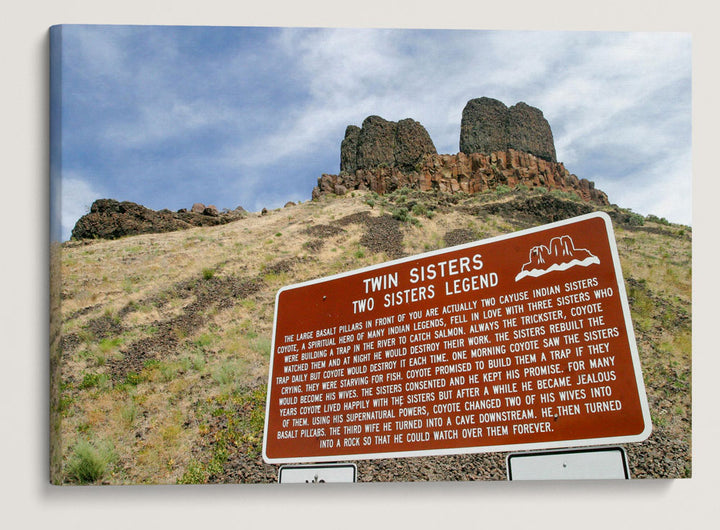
<point>498,146</point>
<point>111,219</point>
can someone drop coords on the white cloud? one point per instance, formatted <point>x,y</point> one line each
<point>612,88</point>
<point>77,195</point>
<point>96,50</point>
<point>609,97</point>
<point>663,189</point>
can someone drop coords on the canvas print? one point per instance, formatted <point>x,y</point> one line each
<point>368,255</point>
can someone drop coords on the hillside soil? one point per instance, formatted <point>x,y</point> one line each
<point>161,342</point>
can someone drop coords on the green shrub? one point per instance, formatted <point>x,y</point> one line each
<point>419,209</point>
<point>655,219</point>
<point>570,195</point>
<point>129,412</point>
<point>133,379</point>
<point>194,474</point>
<point>401,214</point>
<point>107,345</point>
<point>635,219</point>
<point>225,374</point>
<point>88,463</point>
<point>208,273</point>
<point>204,340</point>
<point>262,345</point>
<point>93,380</point>
<point>502,189</point>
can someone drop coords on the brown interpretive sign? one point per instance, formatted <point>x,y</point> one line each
<point>521,341</point>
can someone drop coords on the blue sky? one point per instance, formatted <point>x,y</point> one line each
<point>167,116</point>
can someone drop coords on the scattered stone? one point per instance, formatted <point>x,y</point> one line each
<point>323,231</point>
<point>198,207</point>
<point>211,211</point>
<point>459,236</point>
<point>382,234</point>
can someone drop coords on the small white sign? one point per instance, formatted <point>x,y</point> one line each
<point>318,474</point>
<point>573,464</point>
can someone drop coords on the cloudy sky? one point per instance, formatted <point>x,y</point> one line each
<point>169,116</point>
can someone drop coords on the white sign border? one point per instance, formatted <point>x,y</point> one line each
<point>319,466</point>
<point>558,444</point>
<point>569,451</point>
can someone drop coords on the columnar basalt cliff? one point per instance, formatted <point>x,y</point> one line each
<point>473,173</point>
<point>498,146</point>
<point>382,143</point>
<point>488,125</point>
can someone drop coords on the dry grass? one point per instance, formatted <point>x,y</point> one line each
<point>157,419</point>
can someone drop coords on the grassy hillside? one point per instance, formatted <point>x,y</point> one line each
<point>160,351</point>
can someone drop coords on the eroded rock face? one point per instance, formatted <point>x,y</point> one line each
<point>498,146</point>
<point>483,126</point>
<point>383,143</point>
<point>348,149</point>
<point>412,143</point>
<point>529,131</point>
<point>488,126</point>
<point>111,219</point>
<point>473,173</point>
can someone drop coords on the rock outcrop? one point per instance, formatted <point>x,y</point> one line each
<point>111,219</point>
<point>498,146</point>
<point>382,143</point>
<point>473,173</point>
<point>488,126</point>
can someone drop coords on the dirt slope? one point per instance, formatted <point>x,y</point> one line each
<point>161,346</point>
